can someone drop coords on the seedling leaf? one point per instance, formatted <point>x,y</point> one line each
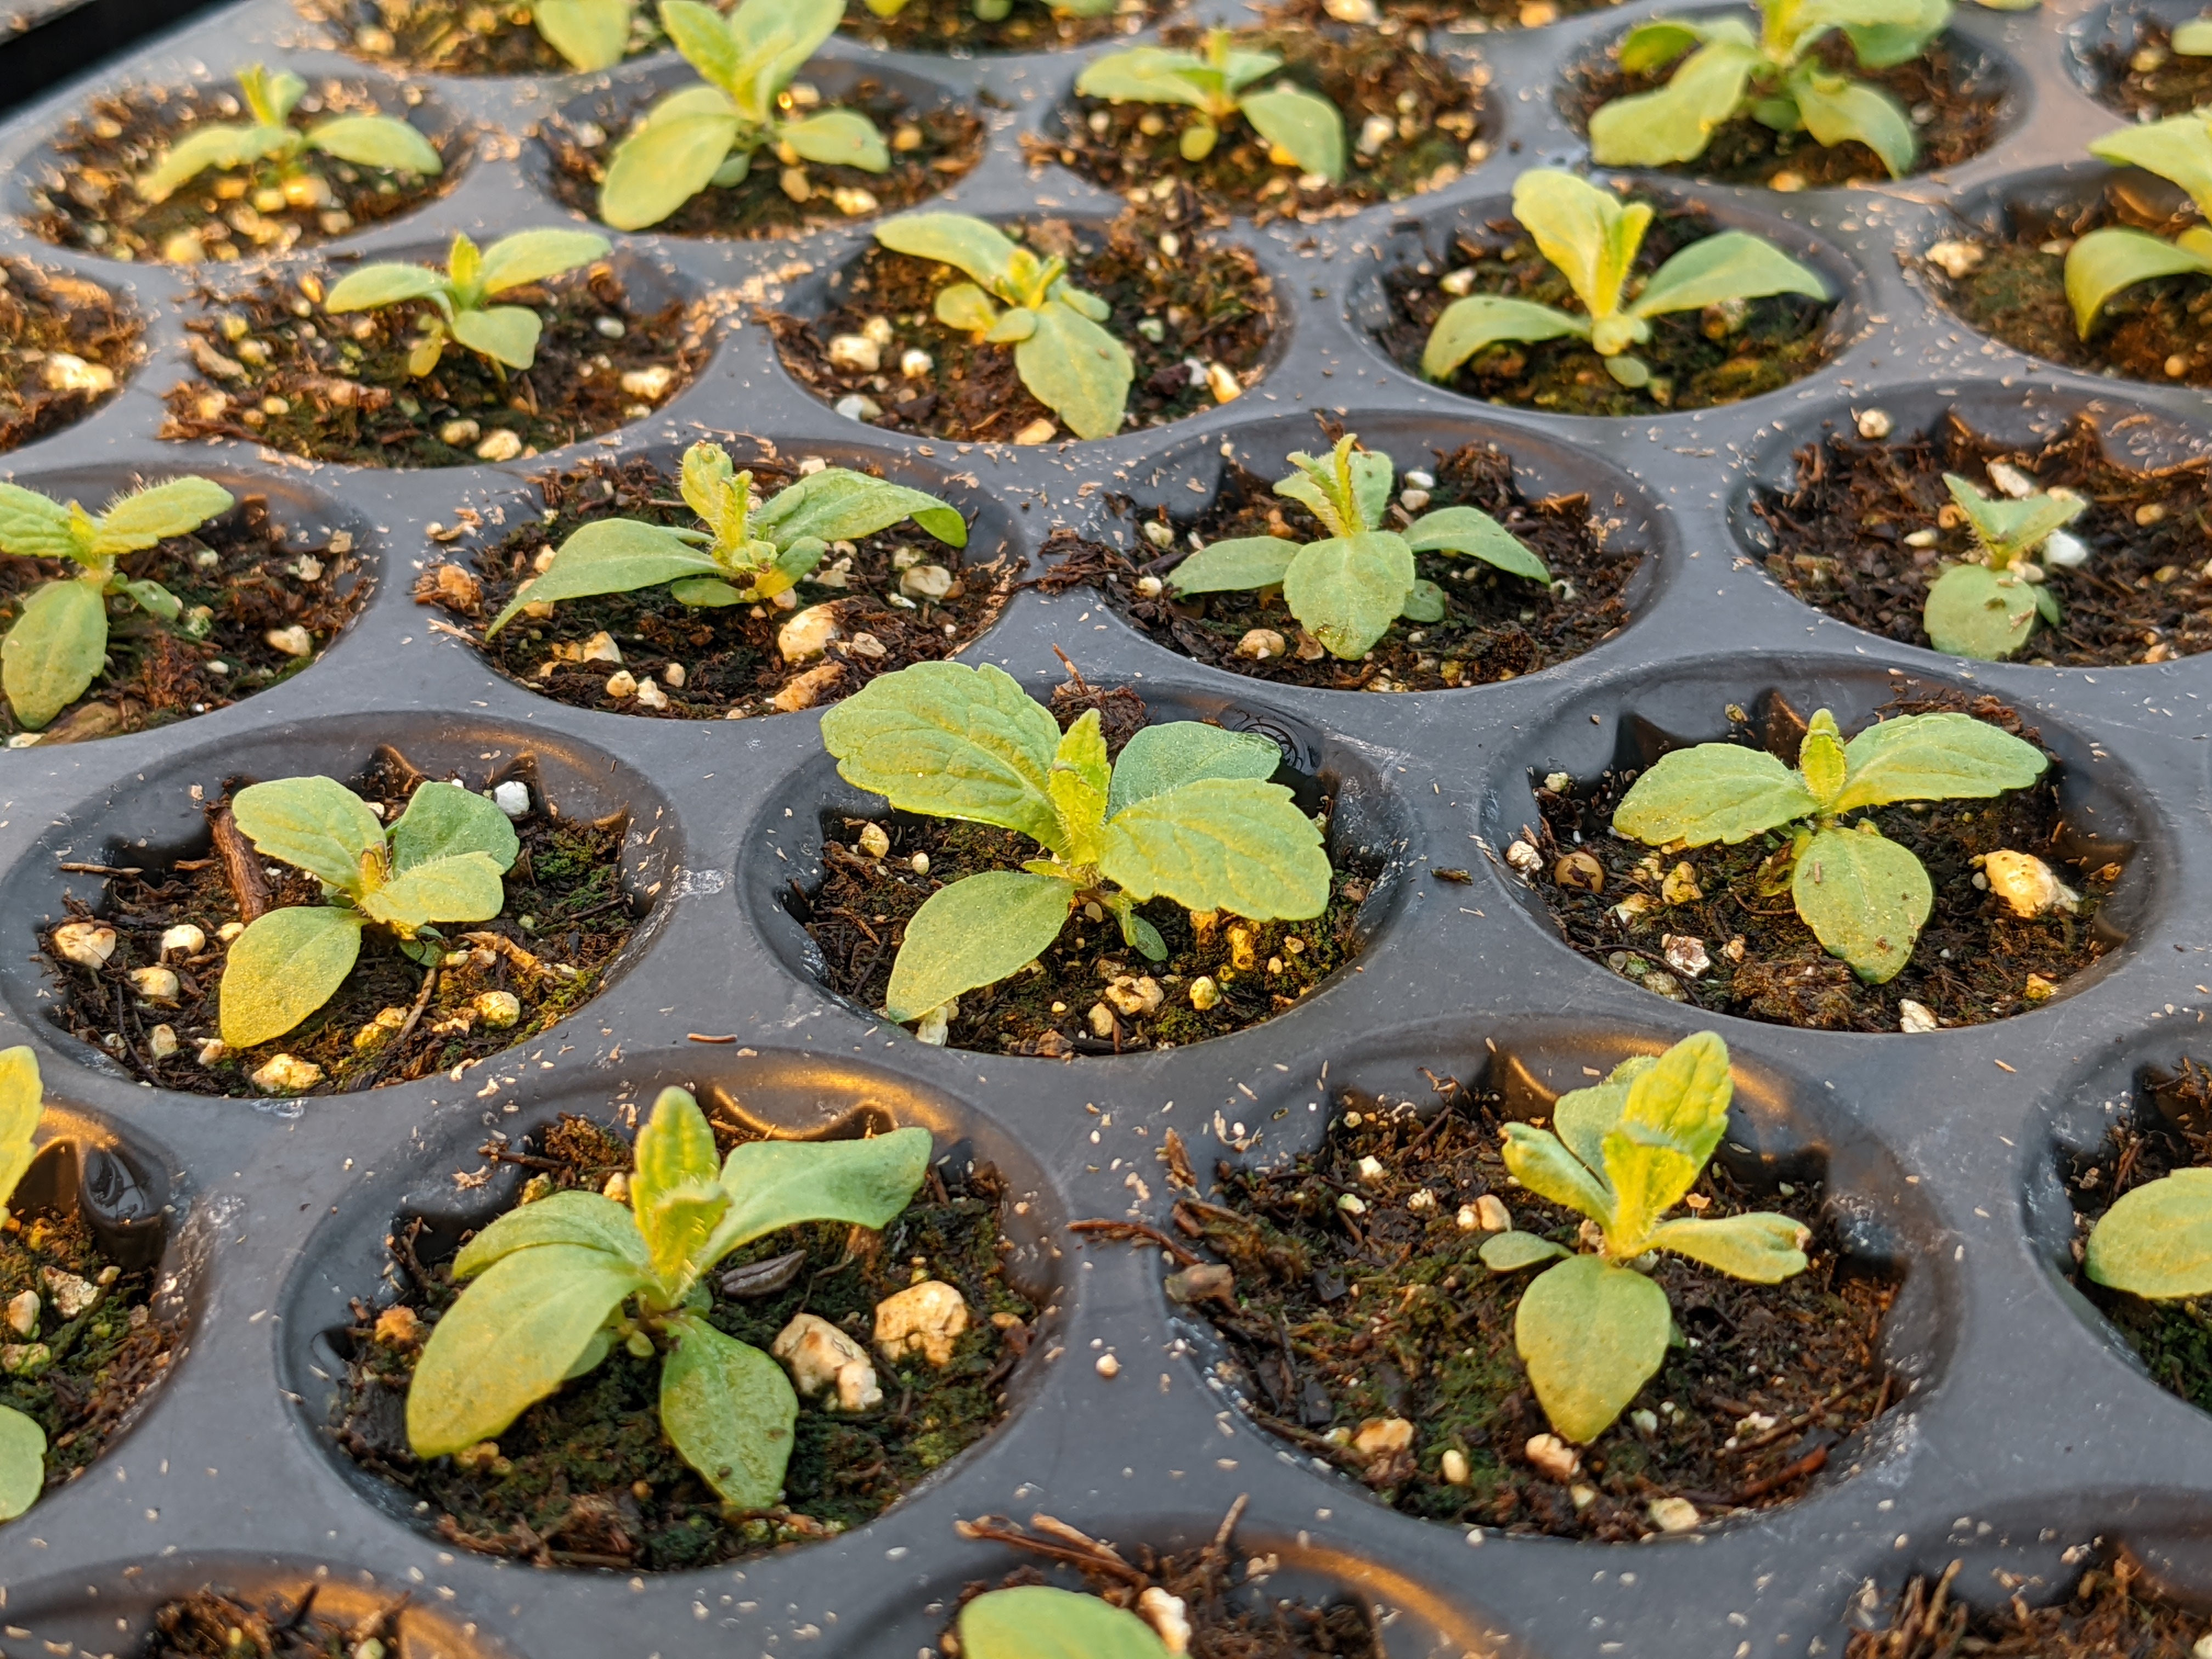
<point>1716,792</point>
<point>591,1220</point>
<point>286,964</point>
<point>1037,1621</point>
<point>1865,899</point>
<point>2104,262</point>
<point>377,141</point>
<point>1472,532</point>
<point>1509,1252</point>
<point>464,887</point>
<point>1972,611</point>
<point>22,1096</point>
<point>1732,265</point>
<point>146,517</point>
<point>314,823</point>
<point>1542,1163</point>
<point>2156,1240</point>
<point>22,1462</point>
<point>1220,844</point>
<point>1760,1247</point>
<point>1944,756</point>
<point>974,932</point>
<point>1076,369</point>
<point>1591,1334</point>
<point>609,556</point>
<point>1240,563</point>
<point>781,1184</point>
<point>1166,756</point>
<point>729,1411</point>
<point>443,820</point>
<point>56,647</point>
<point>1348,590</point>
<point>592,35</point>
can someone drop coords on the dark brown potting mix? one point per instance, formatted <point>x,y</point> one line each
<point>65,347</point>
<point>459,37</point>
<point>2148,79</point>
<point>2104,1617</point>
<point>951,25</point>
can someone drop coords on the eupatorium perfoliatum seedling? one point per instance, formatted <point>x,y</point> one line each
<point>507,334</point>
<point>441,861</point>
<point>709,134</point>
<point>1348,588</point>
<point>2156,1241</point>
<point>2104,262</point>
<point>592,35</point>
<point>1187,812</point>
<point>1987,609</point>
<point>368,141</point>
<point>1776,77</point>
<point>22,1442</point>
<point>1864,896</point>
<point>1592,1329</point>
<point>1213,81</point>
<point>553,1285</point>
<point>1038,1622</point>
<point>749,551</point>
<point>1593,236</point>
<point>60,637</point>
<point>1074,368</point>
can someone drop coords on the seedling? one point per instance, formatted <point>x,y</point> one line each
<point>441,861</point>
<point>1592,1329</point>
<point>748,552</point>
<point>2156,1241</point>
<point>592,35</point>
<point>1187,812</point>
<point>1593,236</point>
<point>1347,590</point>
<point>1987,609</point>
<point>60,640</point>
<point>368,141</point>
<point>1776,79</point>
<point>1075,367</point>
<point>507,334</point>
<point>2106,262</point>
<point>22,1442</point>
<point>992,11</point>
<point>1302,125</point>
<point>2193,38</point>
<point>709,134</point>
<point>555,1284</point>
<point>1006,1623</point>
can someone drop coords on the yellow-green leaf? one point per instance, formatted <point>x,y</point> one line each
<point>1038,1622</point>
<point>2157,1241</point>
<point>591,1219</point>
<point>1347,590</point>
<point>1592,1334</point>
<point>22,1096</point>
<point>781,1183</point>
<point>1719,792</point>
<point>1219,843</point>
<point>285,965</point>
<point>1865,899</point>
<point>316,824</point>
<point>22,1462</point>
<point>674,1192</point>
<point>54,651</point>
<point>1076,369</point>
<point>1946,757</point>
<point>1176,752</point>
<point>443,819</point>
<point>462,887</point>
<point>1761,1248</point>
<point>975,933</point>
<point>1541,1162</point>
<point>729,1411</point>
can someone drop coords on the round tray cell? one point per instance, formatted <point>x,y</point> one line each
<point>1854,525</point>
<point>983,1221</point>
<point>2122,53</point>
<point>160,852</point>
<point>76,189</point>
<point>623,339</point>
<point>66,347</point>
<point>952,28</point>
<point>280,575</point>
<point>1710,939</point>
<point>861,614</point>
<point>1593,526</point>
<point>450,37</point>
<point>2132,1588</point>
<point>835,912</point>
<point>935,140</point>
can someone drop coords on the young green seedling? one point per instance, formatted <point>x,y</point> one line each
<point>507,334</point>
<point>1348,589</point>
<point>1075,369</point>
<point>1187,812</point>
<point>1011,1623</point>
<point>1864,896</point>
<point>22,1442</point>
<point>2156,1241</point>
<point>709,134</point>
<point>1593,236</point>
<point>1592,1329</point>
<point>1987,610</point>
<point>368,141</point>
<point>748,552</point>
<point>2106,262</point>
<point>992,11</point>
<point>555,1284</point>
<point>1303,125</point>
<point>441,861</point>
<point>60,637</point>
<point>592,35</point>
<point>1777,79</point>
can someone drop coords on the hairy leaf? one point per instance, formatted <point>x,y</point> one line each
<point>1838,110</point>
<point>590,1219</point>
<point>534,256</point>
<point>1424,603</point>
<point>1820,757</point>
<point>1166,756</point>
<point>729,1411</point>
<point>609,556</point>
<point>963,304</point>
<point>839,505</point>
<point>56,648</point>
<point>707,474</point>
<point>1347,590</point>
<point>1509,1252</point>
<point>377,141</point>
<point>464,887</point>
<point>1302,123</point>
<point>1240,563</point>
<point>1077,785</point>
<point>22,1096</point>
<point>1588,233</point>
<point>1012,326</point>
<point>1716,792</point>
<point>147,517</point>
<point>838,138</point>
<point>1471,531</point>
<point>1865,899</point>
<point>1038,1622</point>
<point>1971,611</point>
<point>666,159</point>
<point>33,527</point>
<point>1592,1334</point>
<point>776,37</point>
<point>23,1462</point>
<point>219,147</point>
<point>592,35</point>
<point>973,932</point>
<point>1541,1162</point>
<point>285,965</point>
<point>1144,74</point>
<point>675,1192</point>
<point>1761,1248</point>
<point>2157,1241</point>
<point>781,1183</point>
<point>1674,123</point>
<point>1583,1117</point>
<point>316,824</point>
<point>704,38</point>
<point>1220,844</point>
<point>1670,1120</point>
<point>442,819</point>
<point>506,334</point>
<point>972,245</point>
<point>1076,369</point>
<point>2007,529</point>
<point>375,286</point>
<point>2107,261</point>
<point>1483,320</point>
<point>1733,265</point>
<point>1946,757</point>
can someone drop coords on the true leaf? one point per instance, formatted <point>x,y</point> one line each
<point>1681,1098</point>
<point>464,887</point>
<point>2007,529</point>
<point>1076,369</point>
<point>967,244</point>
<point>666,160</point>
<point>1588,233</point>
<point>1472,532</point>
<point>442,819</point>
<point>1592,1334</point>
<point>33,527</point>
<point>1865,899</point>
<point>675,1192</point>
<point>963,304</point>
<point>2179,148</point>
<point>1147,75</point>
<point>377,141</point>
<point>781,1183</point>
<point>974,932</point>
<point>2104,262</point>
<point>1839,110</point>
<point>776,37</point>
<point>1302,123</point>
<point>1012,326</point>
<point>840,505</point>
<point>1674,123</point>
<point>1761,1248</point>
<point>699,32</point>
<point>609,556</point>
<point>1236,565</point>
<point>507,334</point>
<point>56,648</point>
<point>590,1220</point>
<point>729,1411</point>
<point>1509,1252</point>
<point>1583,1117</point>
<point>1077,786</point>
<point>1038,1622</point>
<point>1346,591</point>
<point>1468,325</point>
<point>1168,756</point>
<point>285,965</point>
<point>22,1462</point>
<point>146,517</point>
<point>220,148</point>
<point>2157,1240</point>
<point>1732,265</point>
<point>1542,1163</point>
<point>592,35</point>
<point>375,286</point>
<point>1946,756</point>
<point>21,1098</point>
<point>1971,611</point>
<point>1716,792</point>
<point>534,256</point>
<point>1820,757</point>
<point>838,138</point>
<point>1220,844</point>
<point>1653,45</point>
<point>314,823</point>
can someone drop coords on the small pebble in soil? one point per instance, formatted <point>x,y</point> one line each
<point>819,1356</point>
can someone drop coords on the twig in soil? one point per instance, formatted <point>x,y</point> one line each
<point>1122,1231</point>
<point>242,869</point>
<point>1811,1463</point>
<point>95,869</point>
<point>1223,1532</point>
<point>702,1036</point>
<point>1792,1425</point>
<point>996,1530</point>
<point>399,1037</point>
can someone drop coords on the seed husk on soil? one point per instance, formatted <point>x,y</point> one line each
<point>1974,959</point>
<point>457,37</point>
<point>82,195</point>
<point>65,347</point>
<point>566,916</point>
<point>731,666</point>
<point>1698,358</point>
<point>335,388</point>
<point>201,1626</point>
<point>1209,301</point>
<point>590,1480</point>
<point>951,25</point>
<point>2167,83</point>
<point>1496,626</point>
<point>254,581</point>
<point>2143,595</point>
<point>2104,1617</point>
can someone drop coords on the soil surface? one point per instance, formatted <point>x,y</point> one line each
<point>444,37</point>
<point>216,1623</point>
<point>931,150</point>
<point>1437,108</point>
<point>1954,96</point>
<point>2143,597</point>
<point>951,25</point>
<point>1452,17</point>
<point>83,196</point>
<point>253,581</point>
<point>712,663</point>
<point>2103,1618</point>
<point>1209,303</point>
<point>1975,961</point>
<point>65,346</point>
<point>391,1021</point>
<point>1336,1322</point>
<point>586,1479</point>
<point>2149,80</point>
<point>858,913</point>
<point>335,388</point>
<point>1496,626</point>
<point>1698,358</point>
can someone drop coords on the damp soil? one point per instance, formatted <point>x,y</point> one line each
<point>335,388</point>
<point>440,37</point>
<point>566,917</point>
<point>932,149</point>
<point>1954,96</point>
<point>252,579</point>
<point>65,347</point>
<point>2104,1617</point>
<point>1209,303</point>
<point>1436,109</point>
<point>1338,1323</point>
<point>1698,358</point>
<point>220,1624</point>
<point>83,197</point>
<point>2143,595</point>
<point>1975,961</point>
<point>857,916</point>
<point>951,25</point>
<point>1496,626</point>
<point>586,1478</point>
<point>720,663</point>
<point>2148,79</point>
<point>1451,17</point>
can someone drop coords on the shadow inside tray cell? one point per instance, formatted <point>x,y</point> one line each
<point>2121,53</point>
